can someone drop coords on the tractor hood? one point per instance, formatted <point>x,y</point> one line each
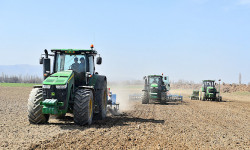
<point>59,78</point>
<point>154,85</point>
<point>211,89</point>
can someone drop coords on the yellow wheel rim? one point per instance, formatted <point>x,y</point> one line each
<point>90,108</point>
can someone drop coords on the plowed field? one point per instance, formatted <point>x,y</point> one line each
<point>186,125</point>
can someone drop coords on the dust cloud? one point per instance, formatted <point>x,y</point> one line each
<point>122,92</point>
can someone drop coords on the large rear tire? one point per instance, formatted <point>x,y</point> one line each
<point>203,96</point>
<point>83,107</point>
<point>163,97</point>
<point>145,98</point>
<point>102,102</point>
<point>35,114</point>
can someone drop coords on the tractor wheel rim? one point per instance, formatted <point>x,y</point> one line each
<point>90,108</point>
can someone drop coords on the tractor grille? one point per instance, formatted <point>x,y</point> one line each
<point>154,90</point>
<point>211,90</point>
<point>60,95</point>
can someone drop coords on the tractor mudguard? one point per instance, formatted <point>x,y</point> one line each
<point>37,86</point>
<point>98,81</point>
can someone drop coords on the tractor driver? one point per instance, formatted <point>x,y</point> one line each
<point>75,66</point>
<point>82,65</point>
<point>155,81</point>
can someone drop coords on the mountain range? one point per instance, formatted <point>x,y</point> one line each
<point>21,69</point>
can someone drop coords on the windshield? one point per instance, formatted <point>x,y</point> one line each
<point>209,84</point>
<point>154,80</point>
<point>70,62</point>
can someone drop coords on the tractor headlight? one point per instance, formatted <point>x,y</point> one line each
<point>46,86</point>
<point>61,86</point>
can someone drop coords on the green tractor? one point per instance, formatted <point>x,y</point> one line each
<point>195,95</point>
<point>208,91</point>
<point>71,87</point>
<point>155,89</point>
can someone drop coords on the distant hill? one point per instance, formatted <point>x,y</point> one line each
<point>21,70</point>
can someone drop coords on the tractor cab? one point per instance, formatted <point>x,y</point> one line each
<point>76,62</point>
<point>155,85</point>
<point>209,86</point>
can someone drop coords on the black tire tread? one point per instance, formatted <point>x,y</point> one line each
<point>145,99</point>
<point>81,106</point>
<point>35,115</point>
<point>102,110</point>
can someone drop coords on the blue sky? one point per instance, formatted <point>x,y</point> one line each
<point>186,39</point>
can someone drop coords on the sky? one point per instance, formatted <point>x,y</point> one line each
<point>185,39</point>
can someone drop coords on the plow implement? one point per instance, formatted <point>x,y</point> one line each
<point>174,98</point>
<point>112,105</point>
<point>135,97</point>
<point>169,97</point>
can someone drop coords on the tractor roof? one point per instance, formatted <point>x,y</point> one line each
<point>208,80</point>
<point>154,75</point>
<point>75,51</point>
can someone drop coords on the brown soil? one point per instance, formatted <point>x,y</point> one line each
<point>187,125</point>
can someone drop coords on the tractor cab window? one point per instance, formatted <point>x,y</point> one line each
<point>154,80</point>
<point>208,84</point>
<point>82,65</point>
<point>70,62</point>
<point>91,65</point>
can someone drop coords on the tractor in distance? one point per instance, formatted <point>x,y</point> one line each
<point>195,95</point>
<point>208,91</point>
<point>155,89</point>
<point>71,87</point>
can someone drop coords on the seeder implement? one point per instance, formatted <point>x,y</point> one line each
<point>174,98</point>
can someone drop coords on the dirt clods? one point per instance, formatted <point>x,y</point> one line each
<point>187,125</point>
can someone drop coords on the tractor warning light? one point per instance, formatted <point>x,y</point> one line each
<point>91,46</point>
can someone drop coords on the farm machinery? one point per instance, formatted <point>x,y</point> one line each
<point>195,95</point>
<point>113,106</point>
<point>208,91</point>
<point>71,87</point>
<point>156,88</point>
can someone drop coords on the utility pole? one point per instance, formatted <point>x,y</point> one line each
<point>240,79</point>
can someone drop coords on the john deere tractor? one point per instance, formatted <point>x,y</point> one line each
<point>72,86</point>
<point>208,91</point>
<point>155,89</point>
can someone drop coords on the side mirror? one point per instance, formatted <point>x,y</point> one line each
<point>41,60</point>
<point>99,60</point>
<point>144,77</point>
<point>46,67</point>
<point>169,85</point>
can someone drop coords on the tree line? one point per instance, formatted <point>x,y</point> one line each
<point>4,78</point>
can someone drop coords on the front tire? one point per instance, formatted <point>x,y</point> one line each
<point>163,97</point>
<point>83,107</point>
<point>35,114</point>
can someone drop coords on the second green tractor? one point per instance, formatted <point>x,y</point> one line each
<point>209,91</point>
<point>155,89</point>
